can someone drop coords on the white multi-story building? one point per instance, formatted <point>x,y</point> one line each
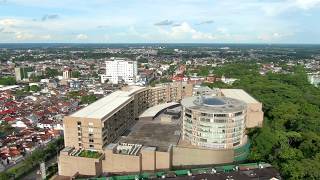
<point>120,70</point>
<point>214,122</point>
<point>67,73</point>
<point>314,79</point>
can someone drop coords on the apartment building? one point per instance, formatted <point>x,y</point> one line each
<point>22,73</point>
<point>67,72</point>
<point>102,122</point>
<point>120,70</point>
<point>94,126</point>
<point>130,131</point>
<point>168,92</point>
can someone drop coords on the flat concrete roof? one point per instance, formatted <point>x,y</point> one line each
<point>213,104</point>
<point>153,111</point>
<point>154,133</point>
<point>108,104</point>
<point>239,94</point>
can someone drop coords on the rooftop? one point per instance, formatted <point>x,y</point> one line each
<point>153,111</point>
<point>108,104</point>
<point>213,104</point>
<point>239,94</point>
<point>154,133</point>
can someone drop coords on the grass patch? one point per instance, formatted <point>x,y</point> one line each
<point>90,154</point>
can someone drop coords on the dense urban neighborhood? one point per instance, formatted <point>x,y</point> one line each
<point>45,88</point>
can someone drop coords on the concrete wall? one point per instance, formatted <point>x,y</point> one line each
<point>70,165</point>
<point>116,163</point>
<point>148,159</point>
<point>163,160</point>
<point>186,156</point>
<point>254,115</point>
<point>254,119</point>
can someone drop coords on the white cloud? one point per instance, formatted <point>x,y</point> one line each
<point>276,8</point>
<point>8,22</point>
<point>234,21</point>
<point>185,31</point>
<point>203,36</point>
<point>272,36</point>
<point>29,36</point>
<point>306,4</point>
<point>23,36</point>
<point>222,30</point>
<point>46,37</point>
<point>82,37</point>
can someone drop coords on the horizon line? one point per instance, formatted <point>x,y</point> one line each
<point>232,43</point>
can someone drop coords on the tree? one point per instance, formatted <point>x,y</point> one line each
<point>6,128</point>
<point>7,81</point>
<point>75,74</point>
<point>217,84</point>
<point>35,78</point>
<point>95,75</point>
<point>5,175</point>
<point>290,137</point>
<point>51,73</point>
<point>143,60</point>
<point>34,88</point>
<point>26,88</point>
<point>88,99</point>
<point>74,94</point>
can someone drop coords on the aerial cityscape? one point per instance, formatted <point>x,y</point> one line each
<point>110,90</point>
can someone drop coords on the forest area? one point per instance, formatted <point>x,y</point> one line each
<point>290,137</point>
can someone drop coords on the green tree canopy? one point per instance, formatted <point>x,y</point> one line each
<point>7,81</point>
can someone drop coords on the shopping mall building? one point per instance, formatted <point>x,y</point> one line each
<point>140,129</point>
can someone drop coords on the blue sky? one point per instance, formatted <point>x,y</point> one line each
<point>160,21</point>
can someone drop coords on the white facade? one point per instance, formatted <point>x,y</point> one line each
<point>120,70</point>
<point>214,122</point>
<point>67,74</point>
<point>314,79</point>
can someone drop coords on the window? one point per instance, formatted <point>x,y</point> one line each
<point>220,121</point>
<point>79,123</point>
<point>188,131</point>
<point>236,143</point>
<point>220,115</point>
<point>203,140</point>
<point>90,130</point>
<point>205,120</point>
<point>90,124</point>
<point>91,146</point>
<point>188,115</point>
<point>90,134</point>
<point>238,113</point>
<point>91,140</point>
<point>203,114</point>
